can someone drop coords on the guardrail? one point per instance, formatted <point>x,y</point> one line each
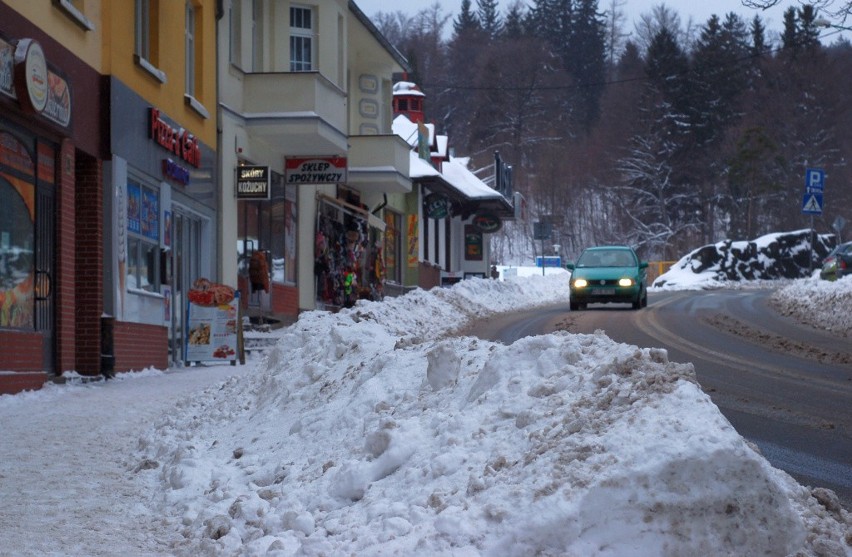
<point>657,268</point>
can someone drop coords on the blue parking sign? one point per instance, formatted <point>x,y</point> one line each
<point>814,180</point>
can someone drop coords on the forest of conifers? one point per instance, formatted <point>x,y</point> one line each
<point>665,135</point>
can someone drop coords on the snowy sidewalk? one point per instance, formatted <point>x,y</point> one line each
<point>66,481</point>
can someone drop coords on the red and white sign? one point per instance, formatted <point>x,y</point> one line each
<point>31,75</point>
<point>315,170</point>
<point>175,140</point>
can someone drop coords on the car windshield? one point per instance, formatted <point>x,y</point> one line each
<point>606,258</point>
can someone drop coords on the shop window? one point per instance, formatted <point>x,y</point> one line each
<point>270,227</point>
<point>348,259</point>
<point>147,32</point>
<point>301,39</point>
<point>143,237</point>
<point>393,247</point>
<point>17,242</point>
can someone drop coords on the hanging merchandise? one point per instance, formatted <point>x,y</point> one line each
<point>344,267</point>
<point>259,272</point>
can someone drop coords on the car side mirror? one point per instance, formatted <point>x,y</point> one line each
<point>643,264</point>
<point>570,265</point>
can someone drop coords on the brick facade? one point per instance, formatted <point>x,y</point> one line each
<point>285,300</point>
<point>22,351</point>
<point>65,300</point>
<point>139,346</point>
<point>89,264</point>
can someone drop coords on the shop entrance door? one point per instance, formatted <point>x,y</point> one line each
<point>44,311</point>
<point>186,265</point>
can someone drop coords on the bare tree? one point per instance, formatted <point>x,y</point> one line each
<point>840,10</point>
<point>615,35</point>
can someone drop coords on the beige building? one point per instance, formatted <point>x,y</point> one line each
<point>310,167</point>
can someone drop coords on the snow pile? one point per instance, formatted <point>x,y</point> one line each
<point>374,431</point>
<point>819,303</point>
<point>774,256</point>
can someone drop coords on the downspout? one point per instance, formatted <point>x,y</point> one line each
<point>382,205</point>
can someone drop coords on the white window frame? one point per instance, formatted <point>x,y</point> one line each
<point>75,10</point>
<point>142,24</point>
<point>302,59</point>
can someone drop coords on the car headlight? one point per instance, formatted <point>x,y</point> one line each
<point>625,282</point>
<point>581,283</point>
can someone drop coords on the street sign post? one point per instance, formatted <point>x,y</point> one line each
<point>812,202</point>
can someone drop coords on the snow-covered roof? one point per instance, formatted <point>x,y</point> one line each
<point>442,144</point>
<point>456,173</point>
<point>407,130</point>
<point>407,88</point>
<point>420,168</point>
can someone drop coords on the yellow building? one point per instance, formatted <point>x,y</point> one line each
<point>161,180</point>
<point>109,198</point>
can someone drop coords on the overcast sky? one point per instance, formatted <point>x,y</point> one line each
<point>700,11</point>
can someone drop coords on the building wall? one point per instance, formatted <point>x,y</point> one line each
<point>168,56</point>
<point>73,51</point>
<point>86,44</point>
<point>138,347</point>
<point>89,261</point>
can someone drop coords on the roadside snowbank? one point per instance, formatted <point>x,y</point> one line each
<point>375,432</point>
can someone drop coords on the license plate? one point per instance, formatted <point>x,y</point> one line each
<point>605,291</point>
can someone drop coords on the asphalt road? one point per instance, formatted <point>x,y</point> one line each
<point>784,386</point>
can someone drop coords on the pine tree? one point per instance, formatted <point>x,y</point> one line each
<point>587,59</point>
<point>466,20</point>
<point>513,28</point>
<point>758,37</point>
<point>790,37</point>
<point>489,17</point>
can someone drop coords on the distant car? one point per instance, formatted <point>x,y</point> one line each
<point>608,274</point>
<point>838,263</point>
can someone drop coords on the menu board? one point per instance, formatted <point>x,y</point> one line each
<point>212,326</point>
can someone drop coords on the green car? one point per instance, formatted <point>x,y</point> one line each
<point>608,274</point>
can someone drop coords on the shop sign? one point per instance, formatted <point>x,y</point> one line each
<point>31,75</point>
<point>175,140</point>
<point>473,245</point>
<point>7,69</point>
<point>175,172</point>
<point>25,76</point>
<point>487,223</point>
<point>315,170</point>
<point>212,323</point>
<point>253,182</point>
<point>437,206</point>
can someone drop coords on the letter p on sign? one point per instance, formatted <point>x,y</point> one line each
<point>814,179</point>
